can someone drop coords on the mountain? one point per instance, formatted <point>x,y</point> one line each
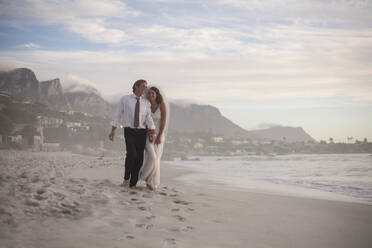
<point>87,99</point>
<point>52,95</point>
<point>21,84</point>
<point>289,134</point>
<point>204,118</point>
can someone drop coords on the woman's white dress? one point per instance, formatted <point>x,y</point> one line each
<point>150,170</point>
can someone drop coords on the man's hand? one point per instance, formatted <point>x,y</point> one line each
<point>151,134</point>
<point>151,138</point>
<point>112,134</point>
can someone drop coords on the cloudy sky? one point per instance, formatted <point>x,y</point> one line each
<point>291,62</point>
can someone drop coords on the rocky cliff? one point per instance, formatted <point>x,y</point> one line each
<point>204,118</point>
<point>88,101</point>
<point>21,84</point>
<point>51,94</point>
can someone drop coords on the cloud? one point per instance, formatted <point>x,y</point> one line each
<point>256,50</point>
<point>75,83</point>
<point>89,18</point>
<point>95,31</point>
<point>306,11</point>
<point>300,69</point>
<point>31,45</point>
<point>183,39</point>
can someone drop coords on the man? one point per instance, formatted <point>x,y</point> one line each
<point>134,111</point>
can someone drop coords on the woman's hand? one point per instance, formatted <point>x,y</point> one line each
<point>157,140</point>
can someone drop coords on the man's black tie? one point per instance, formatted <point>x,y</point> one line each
<point>136,113</point>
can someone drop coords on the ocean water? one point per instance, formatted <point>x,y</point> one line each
<point>343,177</point>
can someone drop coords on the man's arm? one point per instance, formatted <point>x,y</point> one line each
<point>117,118</point>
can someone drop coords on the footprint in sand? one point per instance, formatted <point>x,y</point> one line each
<point>147,196</point>
<point>32,203</point>
<point>181,202</point>
<point>116,224</point>
<point>170,241</point>
<point>130,237</point>
<point>163,193</point>
<point>174,229</point>
<point>40,197</point>
<point>151,217</point>
<point>188,228</point>
<point>142,208</point>
<point>41,191</point>
<point>147,227</point>
<point>180,218</point>
<point>175,209</point>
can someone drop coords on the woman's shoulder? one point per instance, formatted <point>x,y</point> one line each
<point>163,105</point>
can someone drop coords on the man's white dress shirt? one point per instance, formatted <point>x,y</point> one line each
<point>124,114</point>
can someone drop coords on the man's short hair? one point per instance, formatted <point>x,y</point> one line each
<point>138,83</point>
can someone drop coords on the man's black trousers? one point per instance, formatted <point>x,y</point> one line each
<point>135,141</point>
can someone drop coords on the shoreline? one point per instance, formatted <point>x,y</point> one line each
<point>332,177</point>
<point>200,178</point>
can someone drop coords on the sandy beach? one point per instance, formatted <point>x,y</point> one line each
<point>69,200</point>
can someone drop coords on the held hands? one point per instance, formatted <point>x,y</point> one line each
<point>157,140</point>
<point>151,137</point>
<point>154,138</point>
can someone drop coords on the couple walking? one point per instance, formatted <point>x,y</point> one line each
<point>143,115</point>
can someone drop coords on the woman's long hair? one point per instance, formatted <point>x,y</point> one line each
<point>159,98</point>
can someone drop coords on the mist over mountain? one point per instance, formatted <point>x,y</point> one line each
<point>81,87</point>
<point>184,117</point>
<point>52,95</point>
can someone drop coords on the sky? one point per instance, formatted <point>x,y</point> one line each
<point>294,63</point>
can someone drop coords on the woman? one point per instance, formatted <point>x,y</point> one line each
<point>150,171</point>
